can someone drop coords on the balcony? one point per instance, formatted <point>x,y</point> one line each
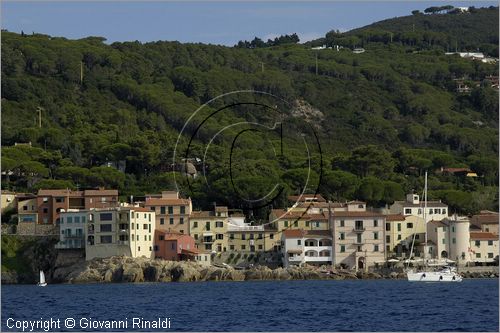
<point>358,229</point>
<point>208,240</point>
<point>123,231</point>
<point>317,259</point>
<point>74,236</point>
<point>123,242</point>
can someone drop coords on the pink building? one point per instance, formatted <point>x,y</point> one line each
<point>174,246</point>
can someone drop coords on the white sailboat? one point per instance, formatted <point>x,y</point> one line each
<point>446,274</point>
<point>42,282</point>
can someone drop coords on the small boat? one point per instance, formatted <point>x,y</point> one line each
<point>42,282</point>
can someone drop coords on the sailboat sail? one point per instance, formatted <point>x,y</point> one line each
<point>42,277</point>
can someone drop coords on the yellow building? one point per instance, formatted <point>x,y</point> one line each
<point>483,247</point>
<point>171,211</point>
<point>243,237</point>
<point>8,200</point>
<point>120,231</point>
<point>208,228</point>
<point>399,231</point>
<point>27,209</point>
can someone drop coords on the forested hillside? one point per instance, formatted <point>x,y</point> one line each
<point>382,117</point>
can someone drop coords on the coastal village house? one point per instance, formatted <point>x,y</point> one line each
<point>172,212</point>
<point>313,247</point>
<point>399,231</point>
<point>120,231</point>
<point>27,209</point>
<point>72,225</point>
<point>436,210</point>
<point>486,221</point>
<point>51,202</point>
<point>244,237</point>
<point>209,228</point>
<point>483,247</point>
<point>358,239</point>
<point>177,247</point>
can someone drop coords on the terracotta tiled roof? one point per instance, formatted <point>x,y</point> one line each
<point>141,209</point>
<point>204,214</point>
<point>453,170</point>
<point>430,204</point>
<point>59,192</point>
<point>357,214</point>
<point>166,202</point>
<point>356,202</point>
<point>318,216</point>
<point>221,209</point>
<point>485,219</point>
<point>395,217</point>
<point>483,236</point>
<point>100,192</point>
<point>438,223</point>
<point>282,214</point>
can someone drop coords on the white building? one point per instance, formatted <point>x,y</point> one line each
<point>312,247</point>
<point>436,210</point>
<point>451,239</point>
<point>120,231</point>
<point>72,225</point>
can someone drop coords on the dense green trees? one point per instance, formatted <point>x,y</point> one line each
<point>382,118</point>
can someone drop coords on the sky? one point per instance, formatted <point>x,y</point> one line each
<point>220,22</point>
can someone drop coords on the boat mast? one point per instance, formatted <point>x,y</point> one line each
<point>425,216</point>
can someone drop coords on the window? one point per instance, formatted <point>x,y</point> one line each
<point>342,236</point>
<point>251,236</point>
<point>490,242</point>
<point>105,227</point>
<point>60,199</point>
<point>162,237</point>
<point>342,223</point>
<point>444,241</point>
<point>162,210</point>
<point>286,224</point>
<point>25,207</point>
<point>171,220</point>
<point>375,235</point>
<point>260,236</point>
<point>45,199</point>
<point>478,255</point>
<point>219,224</point>
<point>490,255</point>
<point>243,236</point>
<point>196,236</point>
<point>358,238</point>
<point>375,248</point>
<point>231,247</point>
<point>271,236</point>
<point>260,247</point>
<point>145,237</point>
<point>149,237</point>
<point>183,210</point>
<point>307,223</point>
<point>452,229</point>
<point>419,211</point>
<point>299,242</point>
<point>181,220</point>
<point>172,246</point>
<point>387,227</point>
<point>399,237</point>
<point>137,237</point>
<point>375,223</point>
<point>387,239</point>
<point>409,225</point>
<point>317,224</point>
<point>431,211</point>
<point>138,248</point>
<point>399,226</point>
<point>195,224</point>
<point>407,211</point>
<point>477,243</point>
<point>45,210</point>
<point>243,247</point>
<point>145,226</point>
<point>106,216</point>
<point>207,226</point>
<point>453,240</point>
<point>231,236</point>
<point>342,248</point>
<point>152,208</point>
<point>83,219</point>
<point>156,248</point>
<point>219,236</point>
<point>170,209</point>
<point>437,210</point>
<point>106,239</point>
<point>69,219</point>
<point>162,220</point>
<point>443,211</point>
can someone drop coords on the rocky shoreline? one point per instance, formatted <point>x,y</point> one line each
<point>126,269</point>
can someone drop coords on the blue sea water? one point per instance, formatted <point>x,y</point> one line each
<point>374,305</point>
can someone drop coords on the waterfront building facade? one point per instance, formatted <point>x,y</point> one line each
<point>209,229</point>
<point>121,231</point>
<point>313,247</point>
<point>483,247</point>
<point>172,212</point>
<point>399,232</point>
<point>436,210</point>
<point>72,226</point>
